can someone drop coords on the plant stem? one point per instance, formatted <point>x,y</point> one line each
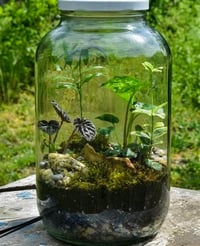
<point>115,133</point>
<point>80,88</point>
<point>54,140</point>
<point>68,141</point>
<point>80,102</point>
<point>152,117</point>
<point>130,123</point>
<point>50,140</point>
<point>126,128</point>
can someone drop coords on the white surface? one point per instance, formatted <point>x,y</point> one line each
<point>103,5</point>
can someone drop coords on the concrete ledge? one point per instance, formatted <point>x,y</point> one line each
<point>181,227</point>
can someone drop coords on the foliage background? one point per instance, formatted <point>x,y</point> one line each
<point>22,25</point>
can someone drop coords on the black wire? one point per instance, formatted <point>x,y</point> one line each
<point>18,188</point>
<point>11,229</point>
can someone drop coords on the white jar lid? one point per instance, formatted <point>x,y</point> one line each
<point>103,5</point>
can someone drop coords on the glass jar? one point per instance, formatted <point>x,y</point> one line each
<point>103,124</point>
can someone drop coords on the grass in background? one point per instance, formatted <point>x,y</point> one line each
<point>185,167</point>
<point>186,175</point>
<point>17,139</point>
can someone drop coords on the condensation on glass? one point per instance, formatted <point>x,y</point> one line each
<point>103,124</point>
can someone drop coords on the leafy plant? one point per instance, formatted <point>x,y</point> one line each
<point>78,62</point>
<point>149,134</point>
<point>84,127</point>
<point>125,87</point>
<point>106,131</point>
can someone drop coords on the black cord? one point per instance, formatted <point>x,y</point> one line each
<point>11,229</point>
<point>18,188</point>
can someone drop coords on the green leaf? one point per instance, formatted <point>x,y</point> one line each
<point>159,124</point>
<point>105,131</point>
<point>159,132</point>
<point>109,118</point>
<point>129,153</point>
<point>144,136</point>
<point>141,134</point>
<point>61,78</point>
<point>67,85</point>
<point>149,109</point>
<point>148,66</point>
<point>88,77</point>
<point>114,151</point>
<point>139,128</point>
<point>155,165</point>
<point>85,128</point>
<point>124,86</point>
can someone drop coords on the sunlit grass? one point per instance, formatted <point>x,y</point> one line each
<point>17,139</point>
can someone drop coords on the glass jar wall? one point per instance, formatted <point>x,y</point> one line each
<point>102,128</point>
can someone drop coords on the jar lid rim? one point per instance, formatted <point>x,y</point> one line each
<point>103,5</point>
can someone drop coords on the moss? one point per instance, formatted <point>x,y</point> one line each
<point>103,175</point>
<point>82,185</point>
<point>119,179</point>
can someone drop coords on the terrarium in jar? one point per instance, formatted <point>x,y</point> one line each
<point>103,124</point>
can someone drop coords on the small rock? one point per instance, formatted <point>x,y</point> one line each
<point>57,177</point>
<point>44,164</point>
<point>66,180</point>
<point>91,155</point>
<point>59,161</point>
<point>121,161</point>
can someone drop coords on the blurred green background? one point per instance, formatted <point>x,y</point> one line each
<point>24,23</point>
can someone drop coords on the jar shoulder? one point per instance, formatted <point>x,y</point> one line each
<point>135,37</point>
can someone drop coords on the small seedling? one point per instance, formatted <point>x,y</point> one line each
<point>84,127</point>
<point>150,133</point>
